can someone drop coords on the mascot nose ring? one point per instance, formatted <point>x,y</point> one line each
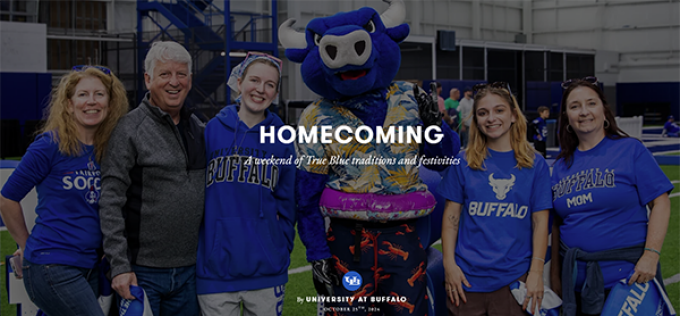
<point>350,49</point>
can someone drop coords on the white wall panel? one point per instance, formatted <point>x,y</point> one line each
<point>498,36</point>
<point>646,33</point>
<point>428,10</point>
<point>605,67</point>
<point>121,19</point>
<point>513,3</point>
<point>650,74</point>
<point>549,4</point>
<point>544,19</point>
<point>440,12</point>
<point>577,18</point>
<point>640,15</point>
<point>642,40</point>
<point>23,47</point>
<point>584,40</point>
<point>460,13</point>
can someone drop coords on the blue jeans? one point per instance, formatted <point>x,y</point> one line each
<point>171,291</point>
<point>62,290</point>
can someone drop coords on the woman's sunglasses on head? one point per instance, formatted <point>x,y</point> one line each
<point>100,68</point>
<point>258,54</point>
<point>589,79</point>
<point>496,85</point>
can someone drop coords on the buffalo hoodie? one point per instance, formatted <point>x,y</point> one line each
<point>248,229</point>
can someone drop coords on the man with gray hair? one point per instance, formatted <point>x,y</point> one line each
<point>152,189</point>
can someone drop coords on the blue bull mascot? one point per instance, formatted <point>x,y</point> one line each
<point>371,260</point>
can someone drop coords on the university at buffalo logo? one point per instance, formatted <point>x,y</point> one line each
<point>92,196</point>
<point>501,186</point>
<point>91,166</point>
<point>351,281</point>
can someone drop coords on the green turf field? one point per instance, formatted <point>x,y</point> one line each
<point>300,284</point>
<point>7,247</point>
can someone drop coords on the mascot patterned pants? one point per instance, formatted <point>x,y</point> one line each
<point>391,262</point>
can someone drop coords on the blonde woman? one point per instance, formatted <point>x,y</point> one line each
<point>495,227</point>
<point>61,253</point>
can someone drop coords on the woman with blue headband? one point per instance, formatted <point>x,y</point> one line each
<point>248,228</point>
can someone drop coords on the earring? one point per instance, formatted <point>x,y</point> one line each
<point>606,124</point>
<point>569,130</point>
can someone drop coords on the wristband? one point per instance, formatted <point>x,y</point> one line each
<point>537,258</point>
<point>653,250</point>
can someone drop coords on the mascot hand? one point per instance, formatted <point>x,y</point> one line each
<point>325,276</point>
<point>428,109</point>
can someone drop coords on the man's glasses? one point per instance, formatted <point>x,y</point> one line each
<point>100,68</point>
<point>589,79</point>
<point>496,85</point>
<point>254,55</point>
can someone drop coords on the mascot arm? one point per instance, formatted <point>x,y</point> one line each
<point>311,226</point>
<point>449,145</point>
<point>427,108</point>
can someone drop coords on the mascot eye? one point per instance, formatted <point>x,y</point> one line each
<point>370,27</point>
<point>317,39</point>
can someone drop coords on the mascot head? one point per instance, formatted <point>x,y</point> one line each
<point>350,53</point>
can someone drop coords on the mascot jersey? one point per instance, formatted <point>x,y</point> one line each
<point>351,181</point>
<point>382,178</point>
<point>67,228</point>
<point>248,227</point>
<point>601,199</point>
<point>494,245</point>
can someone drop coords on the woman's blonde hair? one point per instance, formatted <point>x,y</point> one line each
<point>264,62</point>
<point>62,124</point>
<point>477,151</point>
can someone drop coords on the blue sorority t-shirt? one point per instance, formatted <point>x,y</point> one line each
<point>601,199</point>
<point>67,229</point>
<point>494,245</point>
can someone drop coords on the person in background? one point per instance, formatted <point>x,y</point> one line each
<point>452,101</point>
<point>249,224</point>
<point>495,226</point>
<point>451,115</point>
<point>602,182</point>
<point>61,255</point>
<point>440,103</point>
<point>465,115</point>
<point>153,186</point>
<point>670,128</point>
<point>540,130</point>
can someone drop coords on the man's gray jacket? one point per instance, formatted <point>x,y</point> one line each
<point>152,190</point>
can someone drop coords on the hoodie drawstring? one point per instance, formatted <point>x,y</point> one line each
<point>259,189</point>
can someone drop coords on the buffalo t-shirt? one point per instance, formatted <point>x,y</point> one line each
<point>601,199</point>
<point>494,246</point>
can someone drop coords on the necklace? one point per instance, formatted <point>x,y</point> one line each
<point>90,163</point>
<point>238,120</point>
<point>239,145</point>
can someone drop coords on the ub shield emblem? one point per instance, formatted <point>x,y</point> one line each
<point>92,196</point>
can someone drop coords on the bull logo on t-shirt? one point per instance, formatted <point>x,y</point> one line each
<point>501,186</point>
